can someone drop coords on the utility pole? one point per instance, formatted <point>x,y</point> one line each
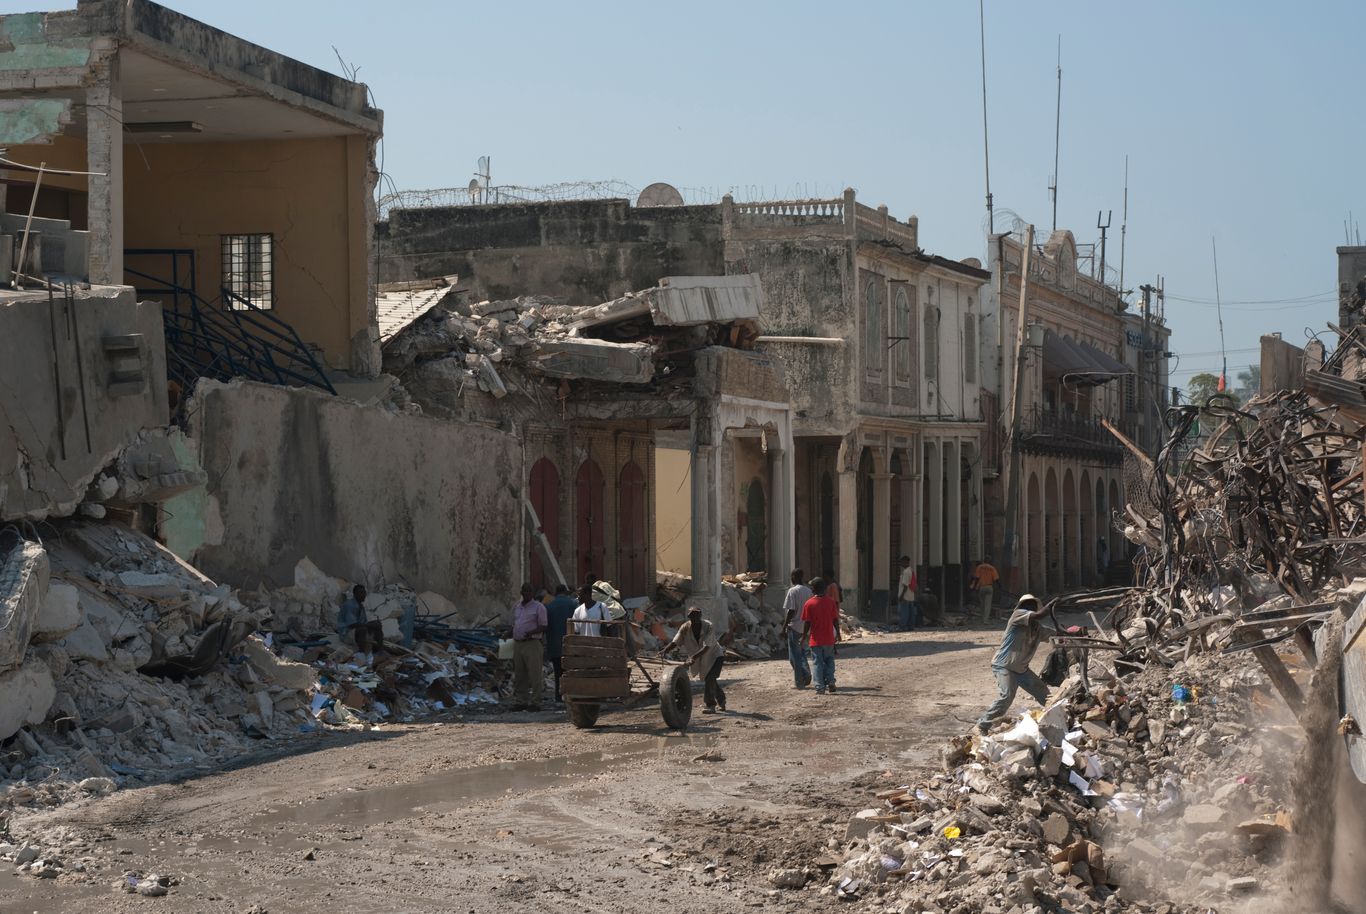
<point>1011,463</point>
<point>1145,309</point>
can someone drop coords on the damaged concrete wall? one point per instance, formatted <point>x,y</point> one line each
<point>804,282</point>
<point>588,251</point>
<point>78,382</point>
<point>366,494</point>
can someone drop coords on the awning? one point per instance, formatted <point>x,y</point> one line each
<point>1078,363</point>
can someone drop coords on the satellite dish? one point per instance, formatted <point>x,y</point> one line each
<point>475,188</point>
<point>660,194</point>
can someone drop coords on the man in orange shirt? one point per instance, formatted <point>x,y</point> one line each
<point>983,583</point>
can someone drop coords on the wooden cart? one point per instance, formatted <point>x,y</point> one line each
<point>604,668</point>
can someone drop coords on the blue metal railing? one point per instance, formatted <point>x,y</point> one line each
<point>228,338</point>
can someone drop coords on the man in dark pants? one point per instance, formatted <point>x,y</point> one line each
<point>557,612</point>
<point>697,640</point>
<point>352,620</point>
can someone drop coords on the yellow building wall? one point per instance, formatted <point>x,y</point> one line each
<point>673,510</point>
<point>308,193</point>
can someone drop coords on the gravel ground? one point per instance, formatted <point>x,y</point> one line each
<point>524,813</point>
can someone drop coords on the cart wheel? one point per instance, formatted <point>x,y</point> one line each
<point>675,699</point>
<point>583,714</point>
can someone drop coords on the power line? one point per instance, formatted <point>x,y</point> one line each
<point>1331,293</point>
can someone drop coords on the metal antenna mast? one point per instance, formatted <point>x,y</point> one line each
<point>1124,225</point>
<point>986,147</point>
<point>1103,229</point>
<point>1057,134</point>
<point>1219,309</point>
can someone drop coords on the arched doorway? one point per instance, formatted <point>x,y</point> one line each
<point>631,537</point>
<point>897,548</point>
<point>1086,524</point>
<point>1067,538</point>
<point>1052,546</point>
<point>1117,549</point>
<point>589,521</point>
<point>545,500</point>
<point>864,586</point>
<point>756,528</point>
<point>1033,560</point>
<point>1103,556</point>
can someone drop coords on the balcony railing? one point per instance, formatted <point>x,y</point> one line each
<point>1053,429</point>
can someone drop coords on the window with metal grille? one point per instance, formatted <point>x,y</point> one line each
<point>249,270</point>
<point>1130,393</point>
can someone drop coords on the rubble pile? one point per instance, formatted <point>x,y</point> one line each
<point>1165,785</point>
<point>119,662</point>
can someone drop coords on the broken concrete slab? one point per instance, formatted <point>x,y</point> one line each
<point>85,643</point>
<point>26,695</point>
<point>273,668</point>
<point>59,614</point>
<point>23,585</point>
<point>595,360</point>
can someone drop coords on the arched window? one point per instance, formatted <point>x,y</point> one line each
<point>931,335</point>
<point>872,325</point>
<point>903,330</point>
<point>970,348</point>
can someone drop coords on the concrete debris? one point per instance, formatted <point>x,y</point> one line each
<point>1122,824</point>
<point>23,584</point>
<point>136,666</point>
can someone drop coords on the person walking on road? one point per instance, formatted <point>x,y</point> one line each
<point>796,598</point>
<point>1010,666</point>
<point>906,596</point>
<point>821,629</point>
<point>558,612</point>
<point>983,583</point>
<point>528,651</point>
<point>696,639</point>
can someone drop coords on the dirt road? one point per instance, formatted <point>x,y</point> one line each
<point>523,813</point>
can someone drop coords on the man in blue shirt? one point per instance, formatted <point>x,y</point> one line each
<point>557,612</point>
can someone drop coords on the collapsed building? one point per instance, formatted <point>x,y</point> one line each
<point>878,339</point>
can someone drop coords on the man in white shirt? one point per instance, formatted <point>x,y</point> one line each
<point>593,611</point>
<point>906,595</point>
<point>797,653</point>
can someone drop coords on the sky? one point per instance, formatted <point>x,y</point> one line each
<point>1228,114</point>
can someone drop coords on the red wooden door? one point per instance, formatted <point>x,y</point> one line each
<point>631,539</point>
<point>545,499</point>
<point>590,521</point>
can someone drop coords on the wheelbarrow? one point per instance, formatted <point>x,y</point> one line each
<point>604,668</point>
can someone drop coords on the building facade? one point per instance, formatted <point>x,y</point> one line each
<point>877,340</point>
<point>1090,366</point>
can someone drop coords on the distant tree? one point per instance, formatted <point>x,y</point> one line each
<point>1249,382</point>
<point>1205,385</point>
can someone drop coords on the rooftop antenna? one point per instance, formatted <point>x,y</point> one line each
<point>1124,225</point>
<point>1219,309</point>
<point>1057,134</point>
<point>986,147</point>
<point>1109,218</point>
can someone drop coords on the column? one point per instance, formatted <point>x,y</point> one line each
<point>706,510</point>
<point>880,586</point>
<point>934,473</point>
<point>952,594</point>
<point>104,154</point>
<point>782,509</point>
<point>848,537</point>
<point>976,508</point>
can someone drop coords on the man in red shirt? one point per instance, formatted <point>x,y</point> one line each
<point>821,628</point>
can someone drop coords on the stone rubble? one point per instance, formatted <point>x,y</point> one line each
<point>1126,799</point>
<point>135,667</point>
